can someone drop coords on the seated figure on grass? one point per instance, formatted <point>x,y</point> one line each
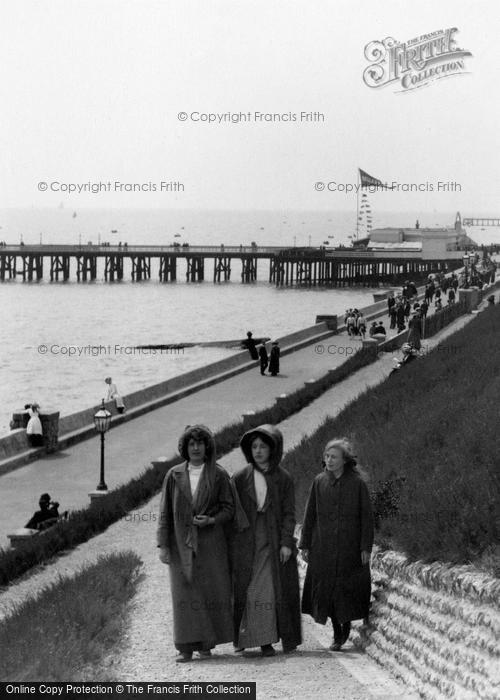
<point>47,516</point>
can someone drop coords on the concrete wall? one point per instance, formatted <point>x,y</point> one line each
<point>15,449</point>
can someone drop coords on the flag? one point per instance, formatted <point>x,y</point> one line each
<point>368,180</point>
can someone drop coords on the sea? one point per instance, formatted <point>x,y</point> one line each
<point>59,340</point>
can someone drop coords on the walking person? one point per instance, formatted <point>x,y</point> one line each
<point>274,359</point>
<point>264,359</point>
<point>361,325</point>
<point>266,583</point>
<point>251,346</point>
<point>415,331</point>
<point>400,317</point>
<point>196,503</point>
<point>336,541</point>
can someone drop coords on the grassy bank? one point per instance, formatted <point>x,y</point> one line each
<point>429,439</point>
<point>63,633</point>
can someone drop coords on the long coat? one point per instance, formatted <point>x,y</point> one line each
<point>199,559</point>
<point>415,332</point>
<point>338,526</point>
<point>280,525</point>
<point>274,360</point>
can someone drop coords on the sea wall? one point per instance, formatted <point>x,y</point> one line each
<point>435,627</point>
<point>16,451</point>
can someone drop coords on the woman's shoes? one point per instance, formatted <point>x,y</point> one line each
<point>205,653</point>
<point>238,650</point>
<point>346,631</point>
<point>268,650</point>
<point>289,650</point>
<point>335,646</point>
<point>185,657</point>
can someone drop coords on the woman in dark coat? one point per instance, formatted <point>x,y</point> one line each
<point>415,331</point>
<point>274,359</point>
<point>196,503</point>
<point>266,583</point>
<point>337,538</point>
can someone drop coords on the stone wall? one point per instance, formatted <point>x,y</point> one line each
<point>435,627</point>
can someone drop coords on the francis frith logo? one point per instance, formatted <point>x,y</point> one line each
<point>414,63</point>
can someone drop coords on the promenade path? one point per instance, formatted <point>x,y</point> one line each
<point>70,474</point>
<point>146,651</point>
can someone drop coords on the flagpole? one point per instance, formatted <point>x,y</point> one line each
<point>357,208</point>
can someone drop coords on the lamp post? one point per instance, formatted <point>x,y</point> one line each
<point>466,270</point>
<point>102,420</point>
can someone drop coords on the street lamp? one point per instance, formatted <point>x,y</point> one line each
<point>466,269</point>
<point>102,420</point>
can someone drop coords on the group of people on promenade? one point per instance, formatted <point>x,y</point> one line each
<point>258,351</point>
<point>230,546</point>
<point>355,323</point>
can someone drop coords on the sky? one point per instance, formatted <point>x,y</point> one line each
<point>91,92</point>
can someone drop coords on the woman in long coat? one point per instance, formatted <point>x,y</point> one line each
<point>336,539</point>
<point>266,584</point>
<point>415,331</point>
<point>196,503</point>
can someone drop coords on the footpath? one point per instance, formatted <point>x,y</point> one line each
<point>70,474</point>
<point>146,652</point>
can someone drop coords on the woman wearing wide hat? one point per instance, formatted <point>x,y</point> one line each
<point>266,584</point>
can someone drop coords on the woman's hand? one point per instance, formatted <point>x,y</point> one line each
<point>365,557</point>
<point>164,555</point>
<point>305,555</point>
<point>203,520</point>
<point>285,553</point>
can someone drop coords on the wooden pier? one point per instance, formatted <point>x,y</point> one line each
<point>309,267</point>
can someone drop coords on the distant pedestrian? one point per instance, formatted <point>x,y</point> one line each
<point>336,542</point>
<point>438,304</point>
<point>407,309</point>
<point>263,357</point>
<point>415,331</point>
<point>361,325</point>
<point>393,316</point>
<point>424,306</point>
<point>390,303</point>
<point>34,428</point>
<point>113,395</point>
<point>351,324</point>
<point>451,296</point>
<point>251,346</point>
<point>400,317</point>
<point>274,359</point>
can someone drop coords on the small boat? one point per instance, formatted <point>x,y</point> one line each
<point>182,228</point>
<point>261,228</point>
<point>177,235</point>
<point>326,242</point>
<point>114,230</point>
<point>330,235</point>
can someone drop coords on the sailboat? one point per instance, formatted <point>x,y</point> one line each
<point>74,215</point>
